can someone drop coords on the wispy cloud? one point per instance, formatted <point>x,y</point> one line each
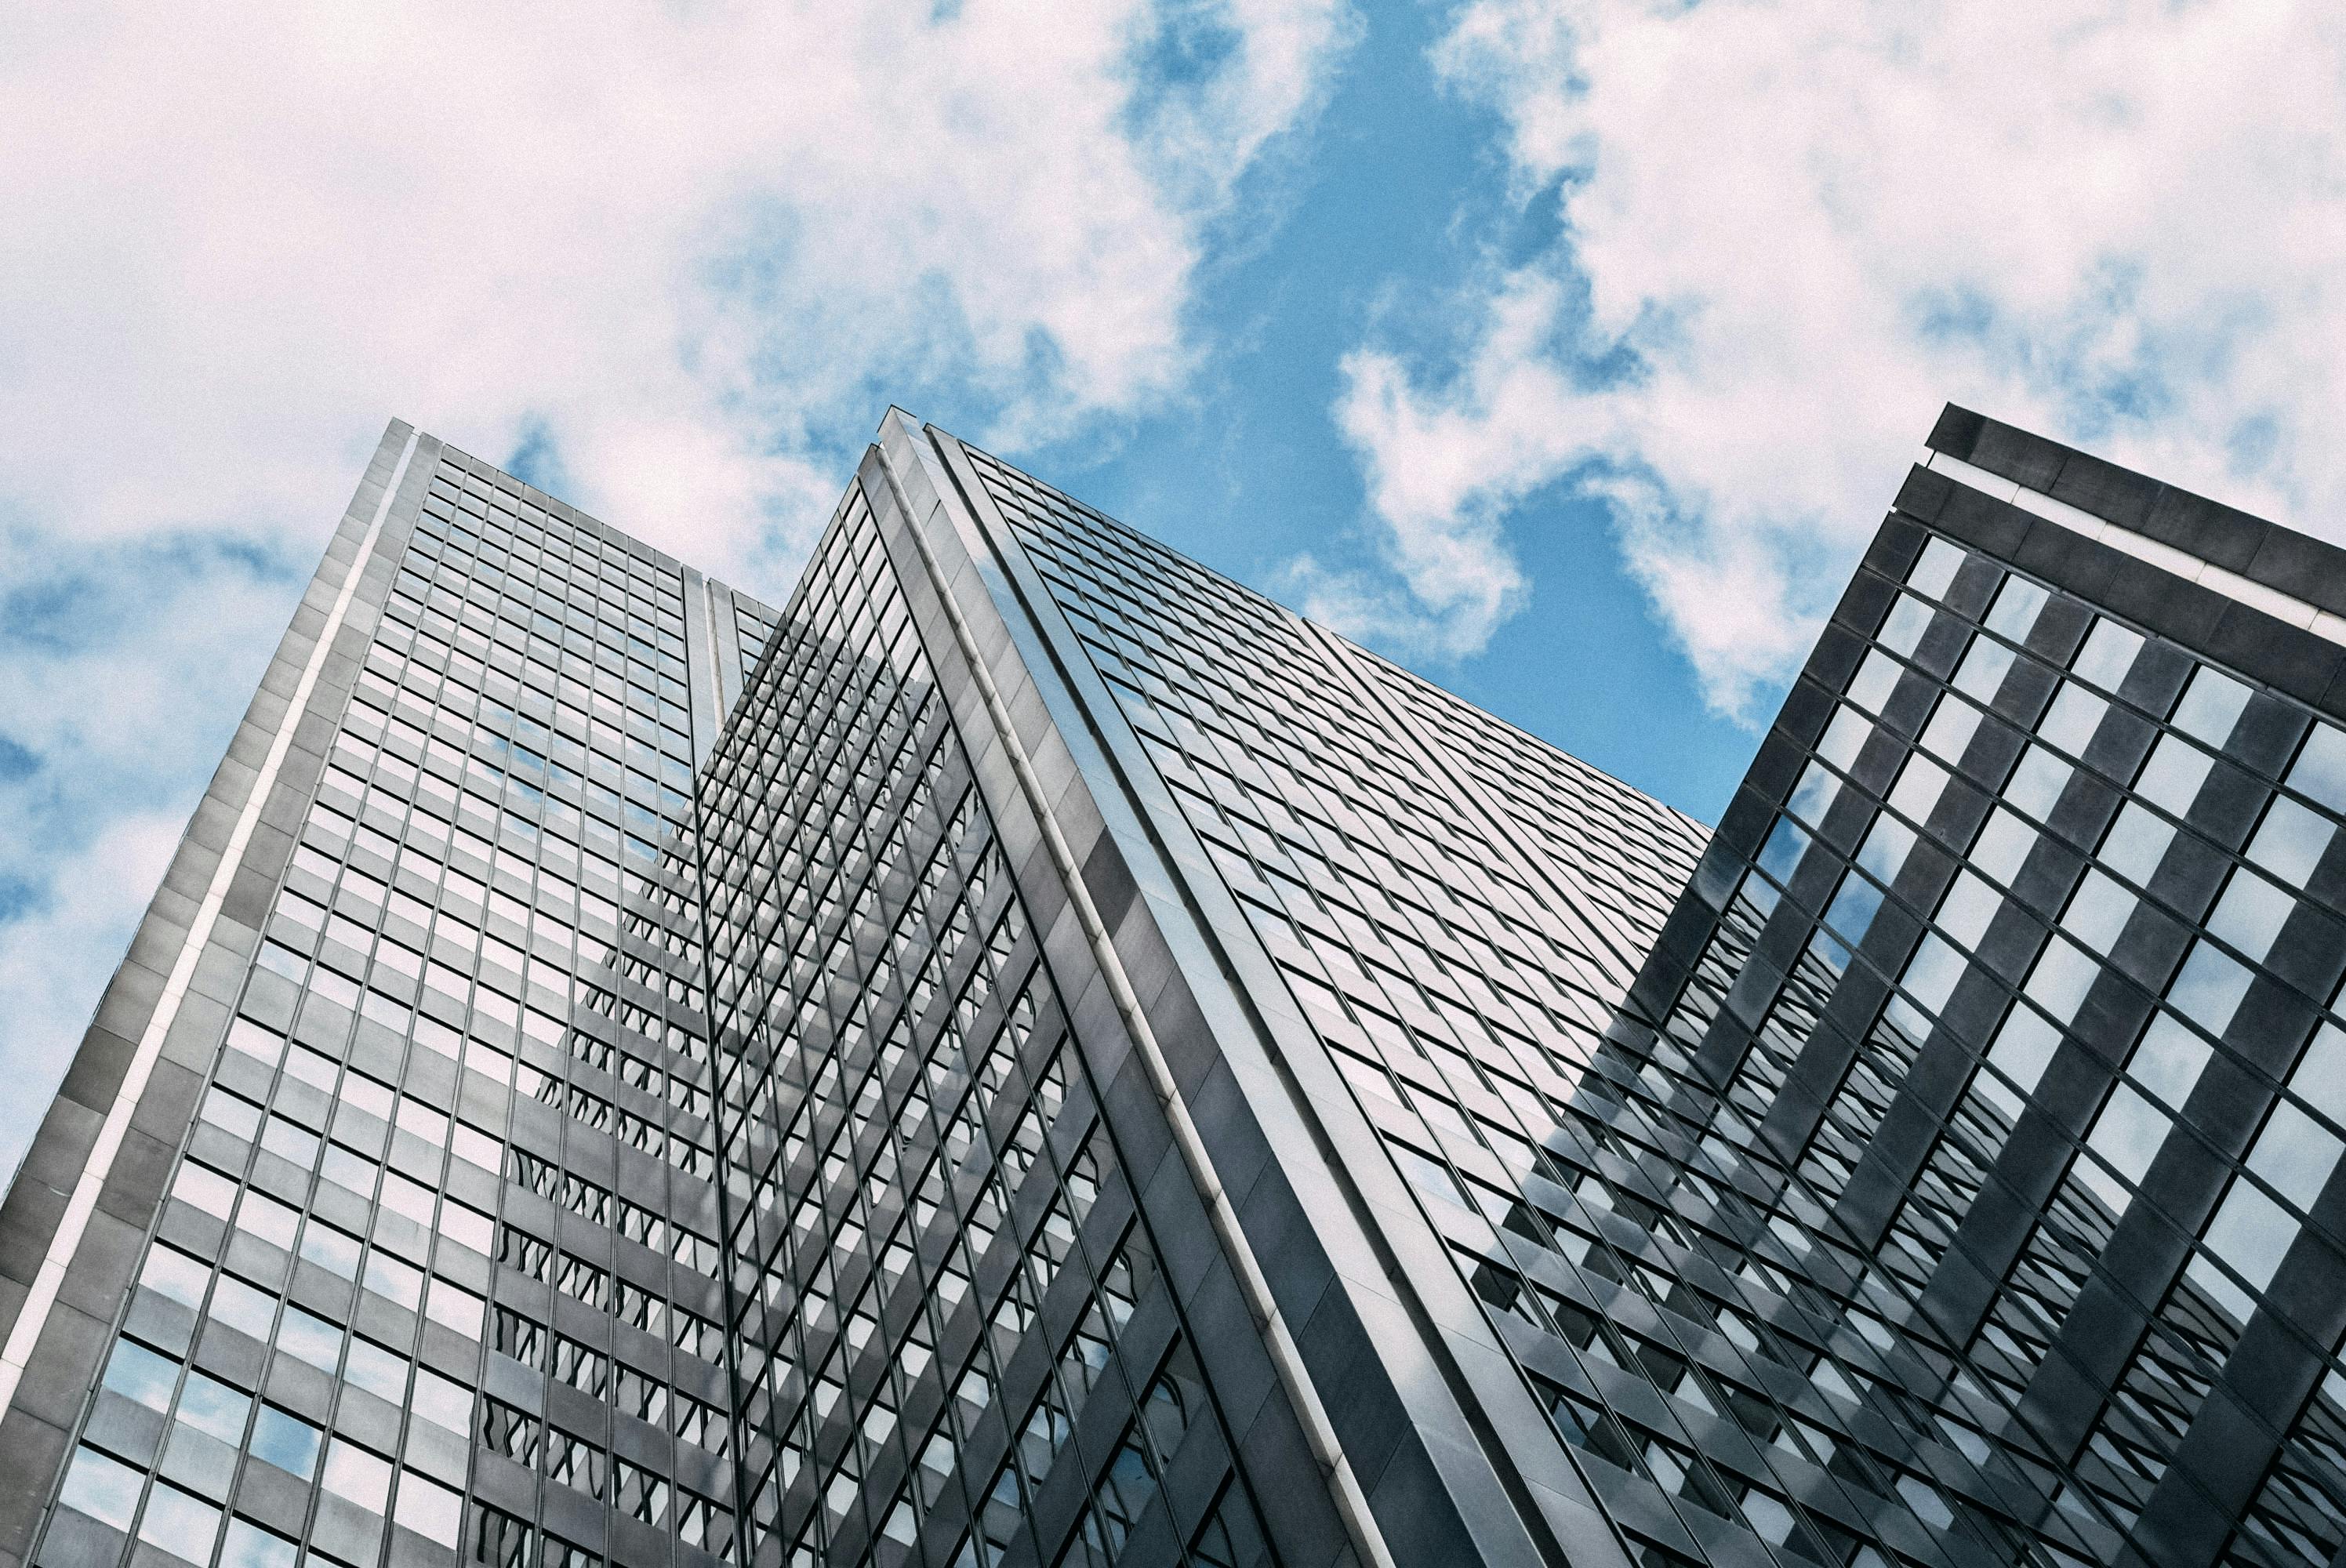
<point>678,255</point>
<point>1785,230</point>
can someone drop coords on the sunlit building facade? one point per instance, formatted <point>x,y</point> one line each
<point>1032,1054</point>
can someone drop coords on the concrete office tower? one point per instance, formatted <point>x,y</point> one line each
<point>1034,1054</point>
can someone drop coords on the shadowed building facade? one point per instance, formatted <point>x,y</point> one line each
<point>1032,1054</point>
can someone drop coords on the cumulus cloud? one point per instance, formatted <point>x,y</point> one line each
<point>683,253</point>
<point>1785,231</point>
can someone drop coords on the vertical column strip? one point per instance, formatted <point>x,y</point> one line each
<point>1295,1378</point>
<point>22,1339</point>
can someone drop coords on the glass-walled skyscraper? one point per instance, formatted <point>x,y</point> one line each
<point>2007,1003</point>
<point>1032,1054</point>
<point>396,1123</point>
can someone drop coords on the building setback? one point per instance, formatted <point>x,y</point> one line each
<point>1035,1055</point>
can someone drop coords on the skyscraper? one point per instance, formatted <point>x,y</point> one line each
<point>1032,1054</point>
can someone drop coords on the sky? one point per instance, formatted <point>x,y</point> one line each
<point>1567,351</point>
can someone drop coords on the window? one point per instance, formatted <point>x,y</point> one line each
<point>2251,914</point>
<point>2172,776</point>
<point>1951,728</point>
<point>213,1408</point>
<point>641,1493</point>
<point>249,1546</point>
<point>1983,669</point>
<point>2208,989</point>
<point>2128,1135</point>
<point>575,1276</point>
<point>1875,679</point>
<point>206,1190</point>
<point>1853,907</point>
<point>243,1308</point>
<point>454,1307</point>
<point>357,1474</point>
<point>2321,1076</point>
<point>181,1522</point>
<point>387,1277</point>
<point>1934,570</point>
<point>2023,1049</point>
<point>2251,1233</point>
<point>1970,905</point>
<point>2002,845</point>
<point>2107,655</point>
<point>1885,847</point>
<point>1919,788</point>
<point>1903,628</point>
<point>138,1374</point>
<point>104,1489</point>
<point>2168,1060</point>
<point>574,1461</point>
<point>309,1338</point>
<point>2320,770</point>
<point>1844,737</point>
<point>2037,784</point>
<point>2211,706</point>
<point>581,1367</point>
<point>509,1432</point>
<point>523,1339</point>
<point>2099,911</point>
<point>2073,718</point>
<point>2063,974</point>
<point>2295,1155</point>
<point>2291,842</point>
<point>441,1401</point>
<point>2017,604</point>
<point>377,1371</point>
<point>333,1251</point>
<point>2136,843</point>
<point>428,1508</point>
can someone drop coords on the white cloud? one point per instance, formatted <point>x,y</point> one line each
<point>695,245</point>
<point>124,669</point>
<point>1792,228</point>
<point>241,237</point>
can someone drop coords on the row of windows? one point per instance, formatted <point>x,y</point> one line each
<point>537,568</point>
<point>513,521</point>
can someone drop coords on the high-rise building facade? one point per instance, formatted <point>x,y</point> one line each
<point>1032,1054</point>
<point>2004,1017</point>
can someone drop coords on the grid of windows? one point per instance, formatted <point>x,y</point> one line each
<point>941,1285</point>
<point>465,1065</point>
